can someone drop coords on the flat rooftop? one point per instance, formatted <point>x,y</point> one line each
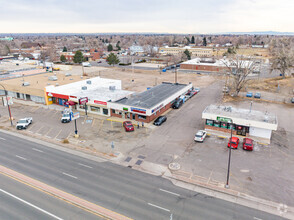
<point>153,96</point>
<point>231,112</point>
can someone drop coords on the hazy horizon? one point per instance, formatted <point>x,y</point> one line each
<point>129,16</point>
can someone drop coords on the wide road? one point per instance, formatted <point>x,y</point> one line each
<point>19,201</point>
<point>123,190</point>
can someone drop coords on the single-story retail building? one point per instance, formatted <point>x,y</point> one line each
<point>98,92</point>
<point>245,122</point>
<point>148,105</point>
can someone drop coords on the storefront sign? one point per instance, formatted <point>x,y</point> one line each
<point>83,101</point>
<point>75,115</point>
<point>125,109</point>
<point>157,108</point>
<point>138,110</point>
<point>223,119</point>
<point>51,94</point>
<point>100,102</point>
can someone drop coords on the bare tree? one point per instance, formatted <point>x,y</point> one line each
<point>239,69</point>
<point>282,55</point>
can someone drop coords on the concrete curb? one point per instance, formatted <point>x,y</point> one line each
<point>233,196</point>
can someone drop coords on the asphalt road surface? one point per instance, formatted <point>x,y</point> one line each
<point>18,201</point>
<point>120,189</point>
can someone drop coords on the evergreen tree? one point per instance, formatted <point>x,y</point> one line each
<point>109,47</point>
<point>204,42</point>
<point>193,40</point>
<point>62,58</point>
<point>117,45</point>
<point>188,54</point>
<point>112,59</point>
<point>78,57</point>
<point>64,49</point>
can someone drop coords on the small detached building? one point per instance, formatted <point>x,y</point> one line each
<point>148,105</point>
<point>245,122</point>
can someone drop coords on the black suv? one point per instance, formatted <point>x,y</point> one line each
<point>159,120</point>
<point>178,103</point>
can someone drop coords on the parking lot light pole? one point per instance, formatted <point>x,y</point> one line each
<point>9,112</point>
<point>230,152</point>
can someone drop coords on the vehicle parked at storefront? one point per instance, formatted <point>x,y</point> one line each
<point>160,120</point>
<point>128,126</point>
<point>66,116</point>
<point>24,123</point>
<point>248,144</point>
<point>177,104</point>
<point>200,136</point>
<point>257,95</point>
<point>234,142</point>
<point>249,94</point>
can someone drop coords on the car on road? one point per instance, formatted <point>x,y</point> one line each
<point>177,104</point>
<point>128,126</point>
<point>257,95</point>
<point>24,123</point>
<point>234,142</point>
<point>249,94</point>
<point>200,136</point>
<point>248,144</point>
<point>160,120</point>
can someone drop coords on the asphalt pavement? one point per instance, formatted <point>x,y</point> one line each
<point>120,189</point>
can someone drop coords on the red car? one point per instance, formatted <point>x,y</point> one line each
<point>247,144</point>
<point>234,142</point>
<point>128,126</point>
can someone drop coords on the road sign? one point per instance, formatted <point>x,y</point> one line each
<point>223,119</point>
<point>75,115</point>
<point>9,100</point>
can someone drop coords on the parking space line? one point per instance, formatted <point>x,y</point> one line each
<point>93,122</point>
<point>58,134</point>
<point>48,132</point>
<point>36,109</point>
<point>209,176</point>
<point>39,130</point>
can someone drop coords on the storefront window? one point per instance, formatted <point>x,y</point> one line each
<point>113,111</point>
<point>209,122</point>
<point>216,124</point>
<point>82,106</point>
<point>224,125</point>
<point>142,117</point>
<point>229,126</point>
<point>105,111</point>
<point>95,109</point>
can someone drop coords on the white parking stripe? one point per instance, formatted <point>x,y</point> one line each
<point>85,165</point>
<point>21,157</point>
<point>66,174</point>
<point>156,206</point>
<point>2,138</point>
<point>30,204</point>
<point>35,149</point>
<point>176,194</point>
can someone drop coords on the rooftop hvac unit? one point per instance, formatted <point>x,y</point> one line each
<point>89,82</point>
<point>25,84</point>
<point>112,88</point>
<point>57,84</point>
<point>84,87</point>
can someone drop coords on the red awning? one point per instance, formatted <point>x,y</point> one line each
<point>70,103</point>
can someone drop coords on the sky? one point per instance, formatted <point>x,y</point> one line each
<point>141,16</point>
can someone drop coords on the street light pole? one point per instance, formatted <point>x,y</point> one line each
<point>9,112</point>
<point>229,162</point>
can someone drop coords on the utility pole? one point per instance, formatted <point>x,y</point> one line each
<point>230,152</point>
<point>9,111</point>
<point>176,75</point>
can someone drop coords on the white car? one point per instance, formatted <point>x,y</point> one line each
<point>24,123</point>
<point>200,136</point>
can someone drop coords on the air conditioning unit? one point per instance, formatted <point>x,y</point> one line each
<point>112,88</point>
<point>84,87</point>
<point>89,82</point>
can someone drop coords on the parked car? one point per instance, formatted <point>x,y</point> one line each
<point>234,142</point>
<point>177,104</point>
<point>24,123</point>
<point>200,136</point>
<point>66,116</point>
<point>248,144</point>
<point>160,120</point>
<point>249,94</point>
<point>257,95</point>
<point>292,100</point>
<point>128,126</point>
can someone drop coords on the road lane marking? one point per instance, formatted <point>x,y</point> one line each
<point>84,165</point>
<point>30,204</point>
<point>163,190</point>
<point>2,138</point>
<point>35,149</point>
<point>21,157</point>
<point>66,174</point>
<point>156,206</point>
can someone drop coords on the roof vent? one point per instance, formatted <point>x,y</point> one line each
<point>112,88</point>
<point>67,74</point>
<point>25,84</point>
<point>89,82</point>
<point>84,87</point>
<point>57,84</point>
